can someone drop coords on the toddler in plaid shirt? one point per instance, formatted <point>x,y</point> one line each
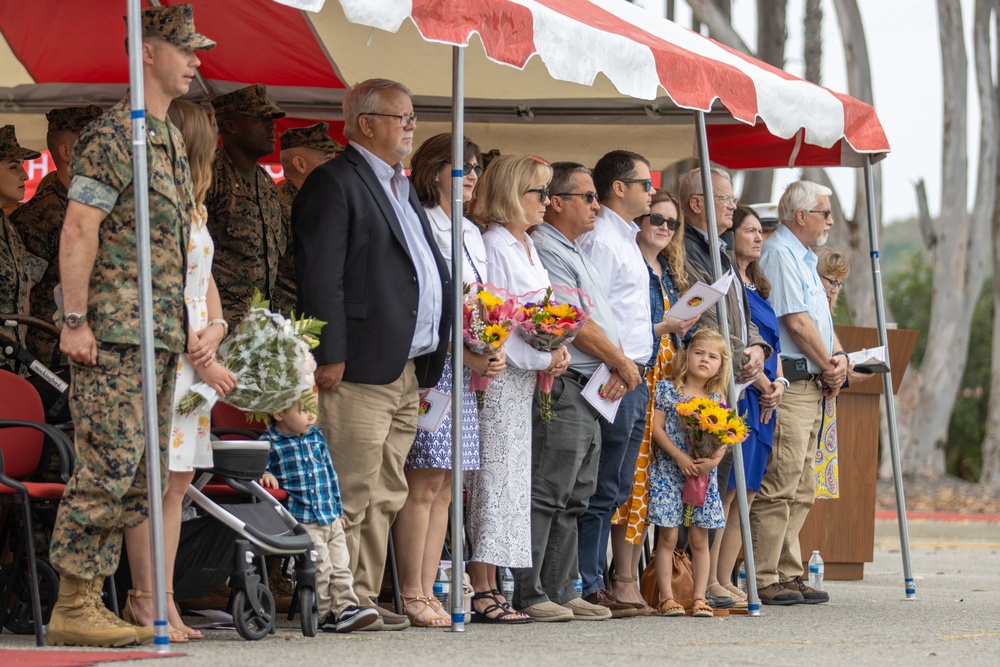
<point>300,463</point>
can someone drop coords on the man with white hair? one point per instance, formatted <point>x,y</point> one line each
<point>815,365</point>
<point>367,264</point>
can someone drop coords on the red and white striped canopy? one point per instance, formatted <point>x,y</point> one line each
<point>564,79</point>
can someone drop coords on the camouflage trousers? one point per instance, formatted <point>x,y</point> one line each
<point>107,492</point>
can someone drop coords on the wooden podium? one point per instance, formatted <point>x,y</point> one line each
<point>844,529</point>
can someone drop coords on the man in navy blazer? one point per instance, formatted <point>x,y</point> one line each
<point>368,266</point>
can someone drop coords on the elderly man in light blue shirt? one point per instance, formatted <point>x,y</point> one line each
<point>815,365</point>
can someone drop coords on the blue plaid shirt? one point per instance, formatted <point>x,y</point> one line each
<point>303,468</point>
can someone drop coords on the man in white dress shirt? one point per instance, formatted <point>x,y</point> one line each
<point>625,189</point>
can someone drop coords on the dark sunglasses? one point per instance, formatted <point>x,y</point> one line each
<point>468,167</point>
<point>591,197</point>
<point>658,220</point>
<point>543,193</point>
<point>647,183</point>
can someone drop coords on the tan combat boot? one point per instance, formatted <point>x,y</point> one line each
<point>78,621</point>
<point>144,633</point>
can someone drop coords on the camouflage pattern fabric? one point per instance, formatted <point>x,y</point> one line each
<point>72,119</point>
<point>102,178</point>
<point>13,280</point>
<point>283,299</point>
<point>312,136</point>
<point>107,492</point>
<point>251,100</point>
<point>174,23</point>
<point>39,222</point>
<point>244,219</point>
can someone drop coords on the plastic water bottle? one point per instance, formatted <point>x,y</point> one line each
<point>442,584</point>
<point>816,571</point>
<point>578,587</point>
<point>507,584</point>
<point>743,577</point>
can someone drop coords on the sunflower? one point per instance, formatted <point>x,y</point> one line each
<point>495,335</point>
<point>561,311</point>
<point>489,300</point>
<point>712,418</point>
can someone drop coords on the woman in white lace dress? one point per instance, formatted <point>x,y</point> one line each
<point>510,199</point>
<point>189,446</point>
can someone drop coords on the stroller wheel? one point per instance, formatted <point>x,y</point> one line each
<point>18,614</point>
<point>308,613</point>
<point>254,618</point>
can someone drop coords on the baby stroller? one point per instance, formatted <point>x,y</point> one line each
<point>206,555</point>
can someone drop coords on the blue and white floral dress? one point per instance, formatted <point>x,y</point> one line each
<point>666,481</point>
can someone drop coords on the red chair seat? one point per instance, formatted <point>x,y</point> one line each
<point>38,490</point>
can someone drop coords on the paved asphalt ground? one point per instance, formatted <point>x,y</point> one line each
<point>955,621</point>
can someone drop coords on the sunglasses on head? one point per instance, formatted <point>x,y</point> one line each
<point>658,220</point>
<point>468,167</point>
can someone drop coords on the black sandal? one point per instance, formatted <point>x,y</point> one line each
<point>507,615</point>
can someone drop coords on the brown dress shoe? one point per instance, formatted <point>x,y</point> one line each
<point>777,594</point>
<point>809,594</point>
<point>604,598</point>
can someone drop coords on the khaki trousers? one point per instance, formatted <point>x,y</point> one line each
<point>334,583</point>
<point>789,485</point>
<point>369,430</point>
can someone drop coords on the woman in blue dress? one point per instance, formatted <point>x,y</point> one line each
<point>759,401</point>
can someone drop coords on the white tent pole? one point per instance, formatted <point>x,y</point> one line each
<point>890,402</point>
<point>753,603</point>
<point>140,184</point>
<point>457,384</point>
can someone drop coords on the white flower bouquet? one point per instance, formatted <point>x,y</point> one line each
<point>270,355</point>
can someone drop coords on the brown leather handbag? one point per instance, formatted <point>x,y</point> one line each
<point>681,581</point>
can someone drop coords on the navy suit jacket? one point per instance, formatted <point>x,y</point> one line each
<point>354,272</point>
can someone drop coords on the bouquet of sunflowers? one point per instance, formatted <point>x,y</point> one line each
<point>549,319</point>
<point>711,427</point>
<point>488,319</point>
<point>271,358</point>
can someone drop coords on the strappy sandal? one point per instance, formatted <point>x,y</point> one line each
<point>434,622</point>
<point>735,592</point>
<point>128,615</point>
<point>644,609</point>
<point>440,611</point>
<point>669,607</point>
<point>506,616</point>
<point>701,609</point>
<point>189,632</point>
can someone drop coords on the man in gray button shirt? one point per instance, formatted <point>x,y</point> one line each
<point>566,450</point>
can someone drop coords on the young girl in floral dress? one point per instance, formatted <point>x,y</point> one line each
<point>703,371</point>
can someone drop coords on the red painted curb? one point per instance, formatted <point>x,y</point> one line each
<point>891,515</point>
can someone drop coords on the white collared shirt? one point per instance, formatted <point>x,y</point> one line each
<point>430,300</point>
<point>511,270</point>
<point>612,247</point>
<point>474,252</point>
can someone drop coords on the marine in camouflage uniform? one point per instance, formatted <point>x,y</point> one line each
<point>39,222</point>
<point>107,492</point>
<point>302,150</point>
<point>244,213</point>
<point>15,262</point>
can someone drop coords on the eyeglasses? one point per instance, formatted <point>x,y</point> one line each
<point>825,214</point>
<point>591,197</point>
<point>647,183</point>
<point>833,282</point>
<point>658,220</point>
<point>725,199</point>
<point>404,119</point>
<point>543,193</point>
<point>468,168</point>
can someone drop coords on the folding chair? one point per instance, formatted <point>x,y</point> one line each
<point>22,436</point>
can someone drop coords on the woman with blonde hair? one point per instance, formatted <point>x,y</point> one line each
<point>189,446</point>
<point>509,200</point>
<point>661,241</point>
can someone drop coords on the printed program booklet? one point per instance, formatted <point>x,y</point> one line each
<point>700,297</point>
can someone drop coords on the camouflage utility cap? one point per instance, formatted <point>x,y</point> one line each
<point>10,149</point>
<point>175,23</point>
<point>72,119</point>
<point>314,136</point>
<point>252,101</point>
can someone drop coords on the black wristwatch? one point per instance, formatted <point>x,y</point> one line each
<point>73,320</point>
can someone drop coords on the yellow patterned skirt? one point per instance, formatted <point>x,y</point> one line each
<point>633,512</point>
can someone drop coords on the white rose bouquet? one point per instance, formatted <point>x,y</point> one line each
<point>270,355</point>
